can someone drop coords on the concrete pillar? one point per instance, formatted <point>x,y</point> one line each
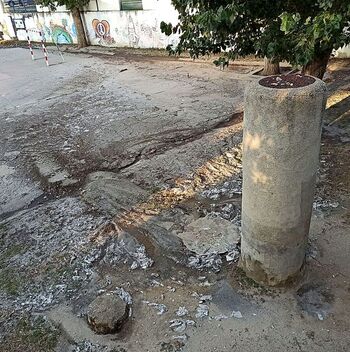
<point>281,144</point>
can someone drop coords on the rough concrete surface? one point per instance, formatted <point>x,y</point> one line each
<point>281,147</point>
<point>102,168</point>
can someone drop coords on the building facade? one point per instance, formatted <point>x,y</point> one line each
<point>111,23</point>
<point>129,23</point>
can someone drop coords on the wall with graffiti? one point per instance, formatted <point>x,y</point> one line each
<point>106,24</point>
<point>56,27</point>
<point>138,29</point>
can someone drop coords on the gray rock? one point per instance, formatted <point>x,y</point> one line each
<point>111,193</point>
<point>162,237</point>
<point>107,314</point>
<point>210,235</point>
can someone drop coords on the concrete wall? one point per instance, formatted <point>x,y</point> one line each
<point>343,52</point>
<point>105,24</point>
<point>6,24</point>
<point>138,29</point>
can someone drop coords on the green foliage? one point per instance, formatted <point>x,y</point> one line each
<point>10,281</point>
<point>37,333</point>
<point>317,31</point>
<point>292,30</point>
<point>70,4</point>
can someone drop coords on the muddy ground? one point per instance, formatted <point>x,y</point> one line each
<point>106,161</point>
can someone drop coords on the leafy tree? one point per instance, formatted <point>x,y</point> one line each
<point>75,6</point>
<point>314,29</point>
<point>303,32</point>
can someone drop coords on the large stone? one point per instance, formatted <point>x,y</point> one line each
<point>111,193</point>
<point>210,235</point>
<point>107,314</point>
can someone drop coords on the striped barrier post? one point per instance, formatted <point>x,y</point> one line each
<point>44,48</point>
<point>42,40</point>
<point>30,45</point>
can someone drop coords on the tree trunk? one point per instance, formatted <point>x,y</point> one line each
<point>271,67</point>
<point>80,27</point>
<point>317,67</point>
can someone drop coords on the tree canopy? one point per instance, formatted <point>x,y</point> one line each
<point>298,31</point>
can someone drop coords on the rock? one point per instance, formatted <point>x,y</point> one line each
<point>111,193</point>
<point>107,314</point>
<point>209,235</point>
<point>162,237</point>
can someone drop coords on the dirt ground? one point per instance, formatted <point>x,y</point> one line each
<point>104,147</point>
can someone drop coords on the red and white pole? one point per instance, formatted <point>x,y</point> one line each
<point>44,48</point>
<point>30,46</point>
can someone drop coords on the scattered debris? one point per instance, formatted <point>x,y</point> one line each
<point>182,311</point>
<point>162,308</point>
<point>86,346</point>
<point>237,314</point>
<point>205,298</point>
<point>324,205</point>
<point>180,325</point>
<point>210,261</point>
<point>156,283</point>
<point>228,189</point>
<point>183,338</point>
<point>126,249</point>
<point>124,295</point>
<point>233,254</point>
<point>220,317</point>
<point>202,311</point>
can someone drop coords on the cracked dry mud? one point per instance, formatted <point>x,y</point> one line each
<point>101,171</point>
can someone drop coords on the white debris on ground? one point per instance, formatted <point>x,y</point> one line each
<point>220,317</point>
<point>182,338</point>
<point>233,254</point>
<point>180,325</point>
<point>86,346</point>
<point>221,197</point>
<point>205,298</point>
<point>128,252</point>
<point>236,314</point>
<point>208,238</point>
<point>124,295</point>
<point>211,261</point>
<point>202,311</point>
<point>228,189</point>
<point>182,311</point>
<point>324,204</point>
<point>161,308</point>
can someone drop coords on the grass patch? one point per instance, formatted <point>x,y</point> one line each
<point>31,335</point>
<point>10,281</point>
<point>37,333</point>
<point>10,252</point>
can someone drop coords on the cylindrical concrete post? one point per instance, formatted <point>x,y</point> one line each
<point>282,132</point>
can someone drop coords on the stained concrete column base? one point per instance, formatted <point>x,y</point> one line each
<point>281,144</point>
